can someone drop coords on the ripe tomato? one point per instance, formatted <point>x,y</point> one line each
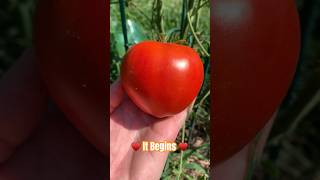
<point>162,78</point>
<point>255,51</point>
<point>71,46</point>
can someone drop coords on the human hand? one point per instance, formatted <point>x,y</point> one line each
<point>236,168</point>
<point>37,142</point>
<point>129,124</point>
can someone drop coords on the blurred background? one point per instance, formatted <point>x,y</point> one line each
<point>15,30</point>
<point>293,149</point>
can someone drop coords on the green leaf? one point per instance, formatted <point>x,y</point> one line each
<point>200,156</point>
<point>195,166</point>
<point>190,152</point>
<point>187,176</point>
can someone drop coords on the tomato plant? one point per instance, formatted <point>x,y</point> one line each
<point>162,78</point>
<point>70,41</point>
<point>255,51</point>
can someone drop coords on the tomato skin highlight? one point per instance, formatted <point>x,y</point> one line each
<point>255,52</point>
<point>162,79</point>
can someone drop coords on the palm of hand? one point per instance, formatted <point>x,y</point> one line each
<point>129,124</point>
<point>56,150</point>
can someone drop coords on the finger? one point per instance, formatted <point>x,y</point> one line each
<point>234,167</point>
<point>55,151</point>
<point>116,95</point>
<point>23,99</point>
<point>239,163</point>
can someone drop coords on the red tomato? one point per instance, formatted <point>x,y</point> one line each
<point>255,51</point>
<point>70,41</point>
<point>161,78</point>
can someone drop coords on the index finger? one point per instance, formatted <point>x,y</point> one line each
<point>23,100</point>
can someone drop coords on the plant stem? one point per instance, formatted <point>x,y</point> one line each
<point>193,120</point>
<point>204,97</point>
<point>199,7</point>
<point>182,138</point>
<point>124,23</point>
<point>157,17</point>
<point>197,17</point>
<point>118,67</point>
<point>181,155</point>
<point>196,37</point>
<point>305,111</point>
<point>141,12</point>
<point>183,17</point>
